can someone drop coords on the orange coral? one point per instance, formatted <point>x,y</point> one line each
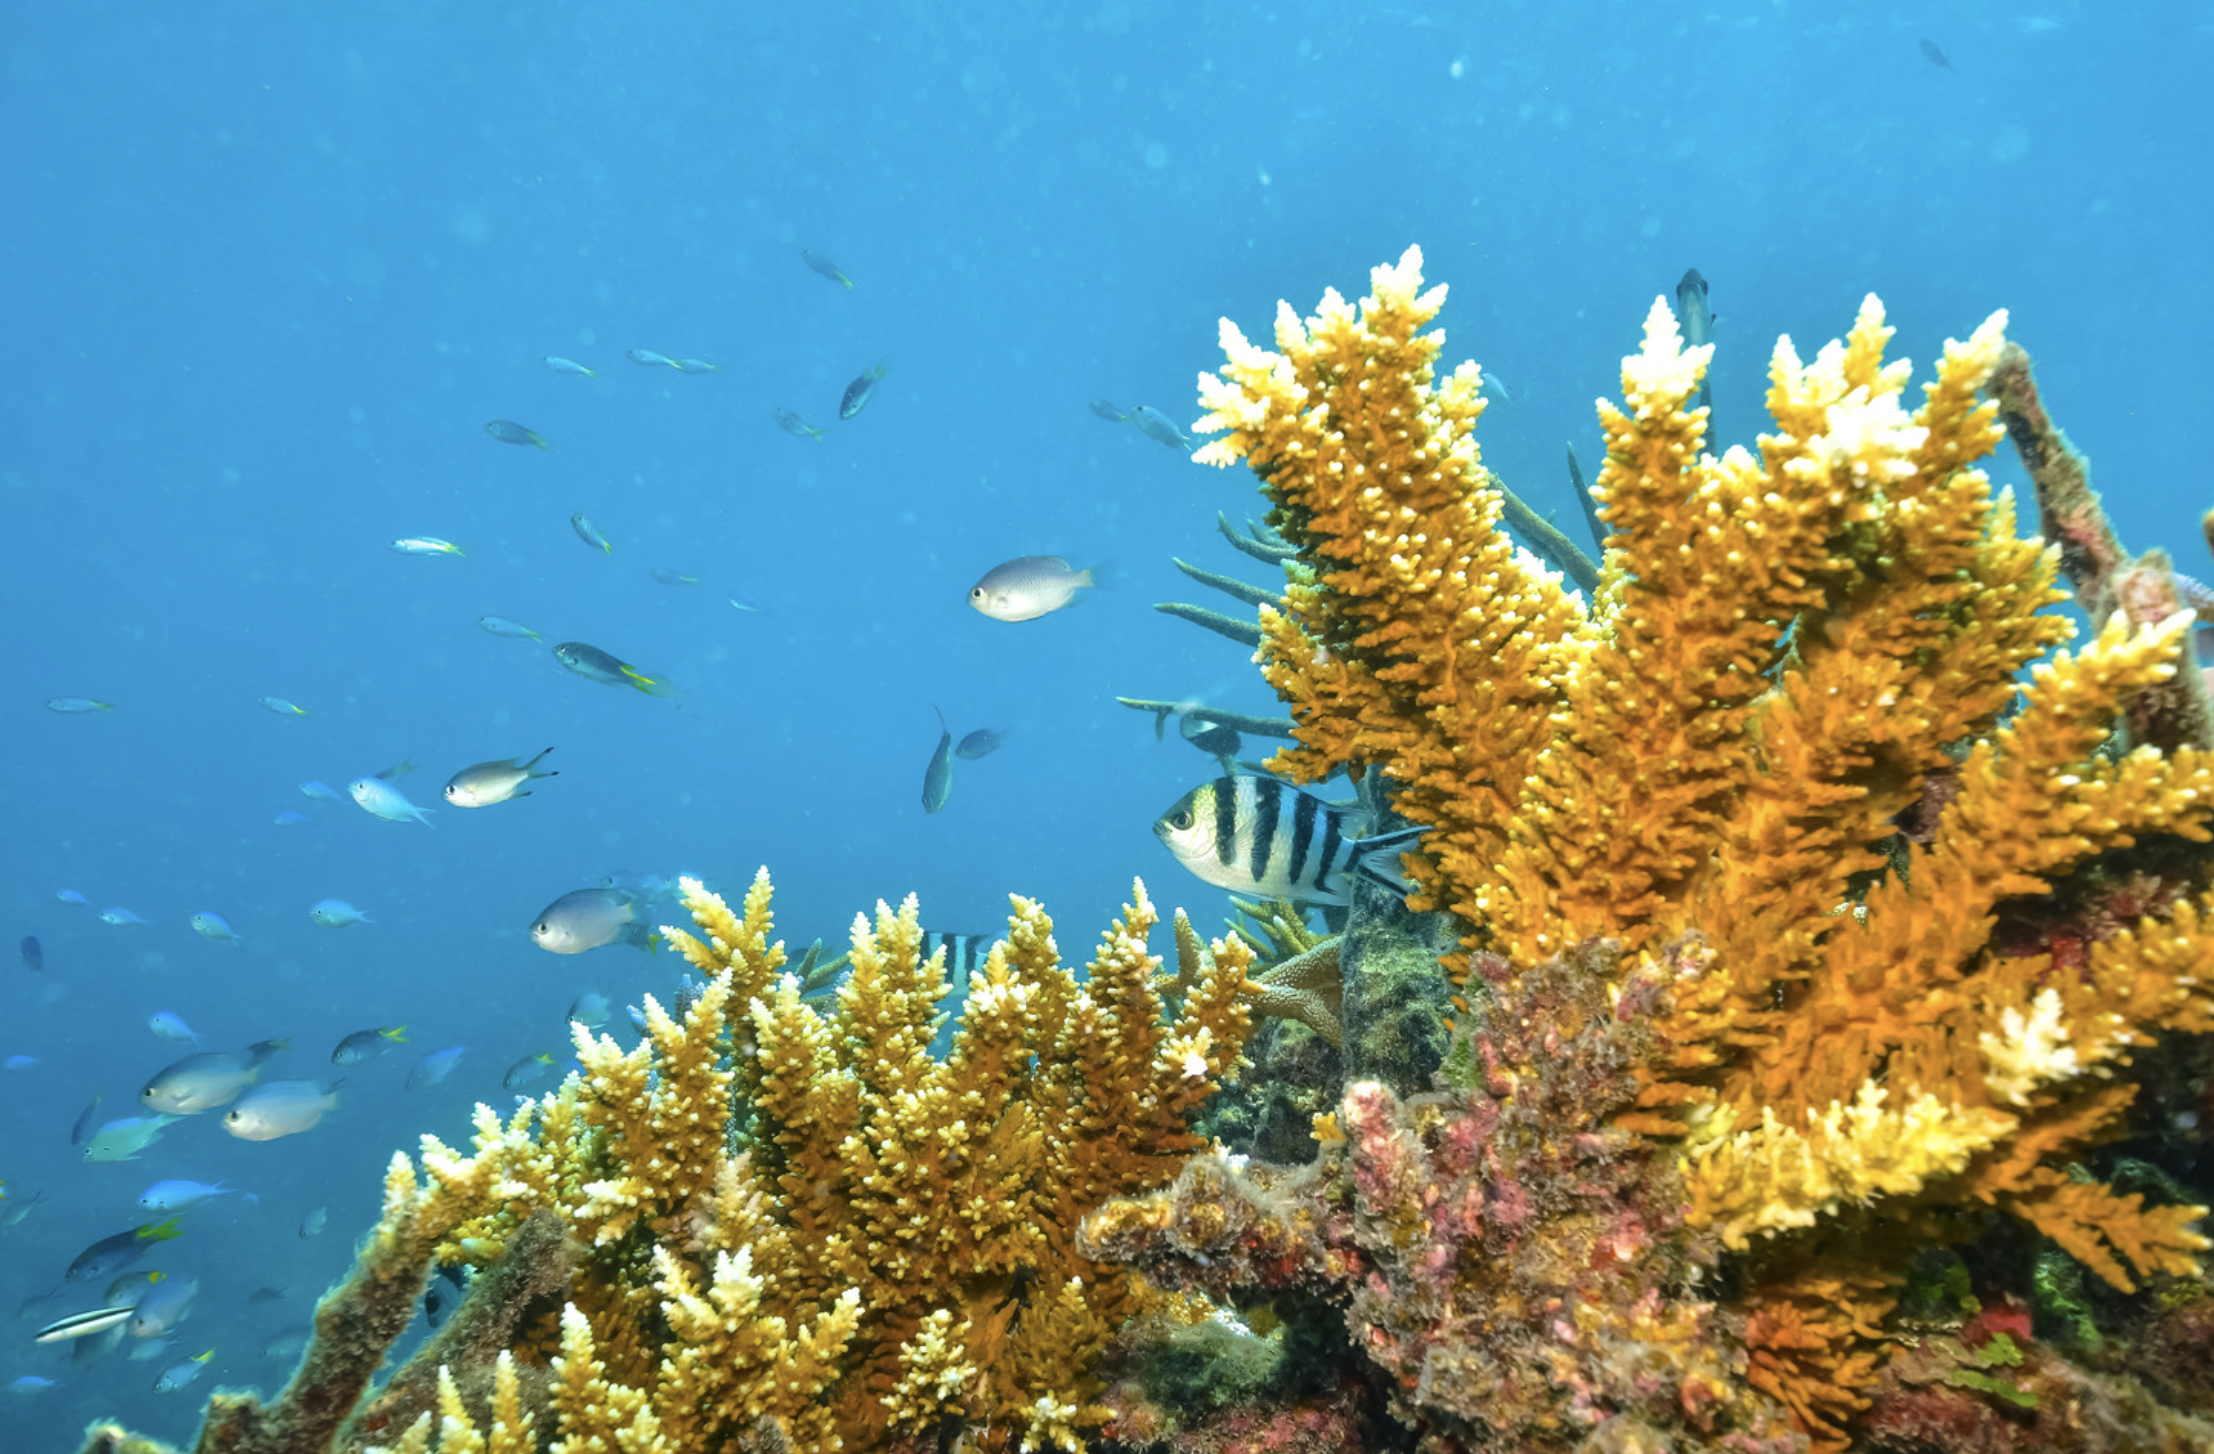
<point>1705,764</point>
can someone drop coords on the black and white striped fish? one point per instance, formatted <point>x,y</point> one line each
<point>965,953</point>
<point>1264,837</point>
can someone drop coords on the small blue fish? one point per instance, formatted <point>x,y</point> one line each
<point>649,358</point>
<point>747,603</point>
<point>311,1225</point>
<point>313,789</point>
<point>171,1026</point>
<point>337,914</point>
<point>695,366</point>
<point>562,365</point>
<point>31,1383</point>
<point>177,1375</point>
<point>118,916</point>
<point>290,819</point>
<point>177,1194</point>
<point>19,1062</point>
<point>590,534</point>
<point>795,426</point>
<point>385,801</point>
<point>71,896</point>
<point>426,545</point>
<point>123,1139</point>
<point>283,708</point>
<point>501,626</point>
<point>434,1067</point>
<point>212,927</point>
<point>817,263</point>
<point>507,431</point>
<point>77,706</point>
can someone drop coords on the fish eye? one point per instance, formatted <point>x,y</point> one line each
<point>977,594</point>
<point>1180,819</point>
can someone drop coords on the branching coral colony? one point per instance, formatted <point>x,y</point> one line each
<point>787,1228</point>
<point>1752,1021</point>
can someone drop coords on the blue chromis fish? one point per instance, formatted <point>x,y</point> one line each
<point>983,742</point>
<point>1028,587</point>
<point>817,263</point>
<point>695,366</point>
<point>279,1108</point>
<point>113,1254</point>
<point>363,1044</point>
<point>595,665</point>
<point>435,1067</point>
<point>494,782</point>
<point>1155,425</point>
<point>34,953</point>
<point>528,1071</point>
<point>116,916</point>
<point>311,1225</point>
<point>795,426</point>
<point>672,577</point>
<point>746,602</point>
<point>177,1375</point>
<point>84,1325</point>
<point>426,545</point>
<point>337,914</point>
<point>587,919</point>
<point>590,534</point>
<point>501,626</point>
<point>211,926</point>
<point>71,896</point>
<point>77,706</point>
<point>589,1009</point>
<point>1113,413</point>
<point>313,789</point>
<point>283,708</point>
<point>938,776</point>
<point>176,1194</point>
<point>381,799</point>
<point>1264,838</point>
<point>287,818</point>
<point>123,1139</point>
<point>562,365</point>
<point>507,431</point>
<point>170,1025</point>
<point>857,392</point>
<point>650,359</point>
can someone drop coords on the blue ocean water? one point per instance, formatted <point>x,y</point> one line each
<point>270,269</point>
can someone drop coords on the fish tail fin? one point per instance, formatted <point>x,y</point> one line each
<point>651,686</point>
<point>397,1034</point>
<point>161,1231</point>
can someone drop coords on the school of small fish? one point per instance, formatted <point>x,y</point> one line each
<point>1252,835</point>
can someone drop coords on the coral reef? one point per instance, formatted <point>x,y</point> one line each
<point>1739,850</point>
<point>774,1226</point>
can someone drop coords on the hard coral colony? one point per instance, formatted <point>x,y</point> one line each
<point>1737,1045</point>
<point>1807,963</point>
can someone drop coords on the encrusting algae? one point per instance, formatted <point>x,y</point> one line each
<point>1735,850</point>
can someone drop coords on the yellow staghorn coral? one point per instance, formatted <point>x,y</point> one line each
<point>1708,765</point>
<point>805,1231</point>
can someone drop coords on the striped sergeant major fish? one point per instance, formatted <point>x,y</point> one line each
<point>965,953</point>
<point>1264,837</point>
